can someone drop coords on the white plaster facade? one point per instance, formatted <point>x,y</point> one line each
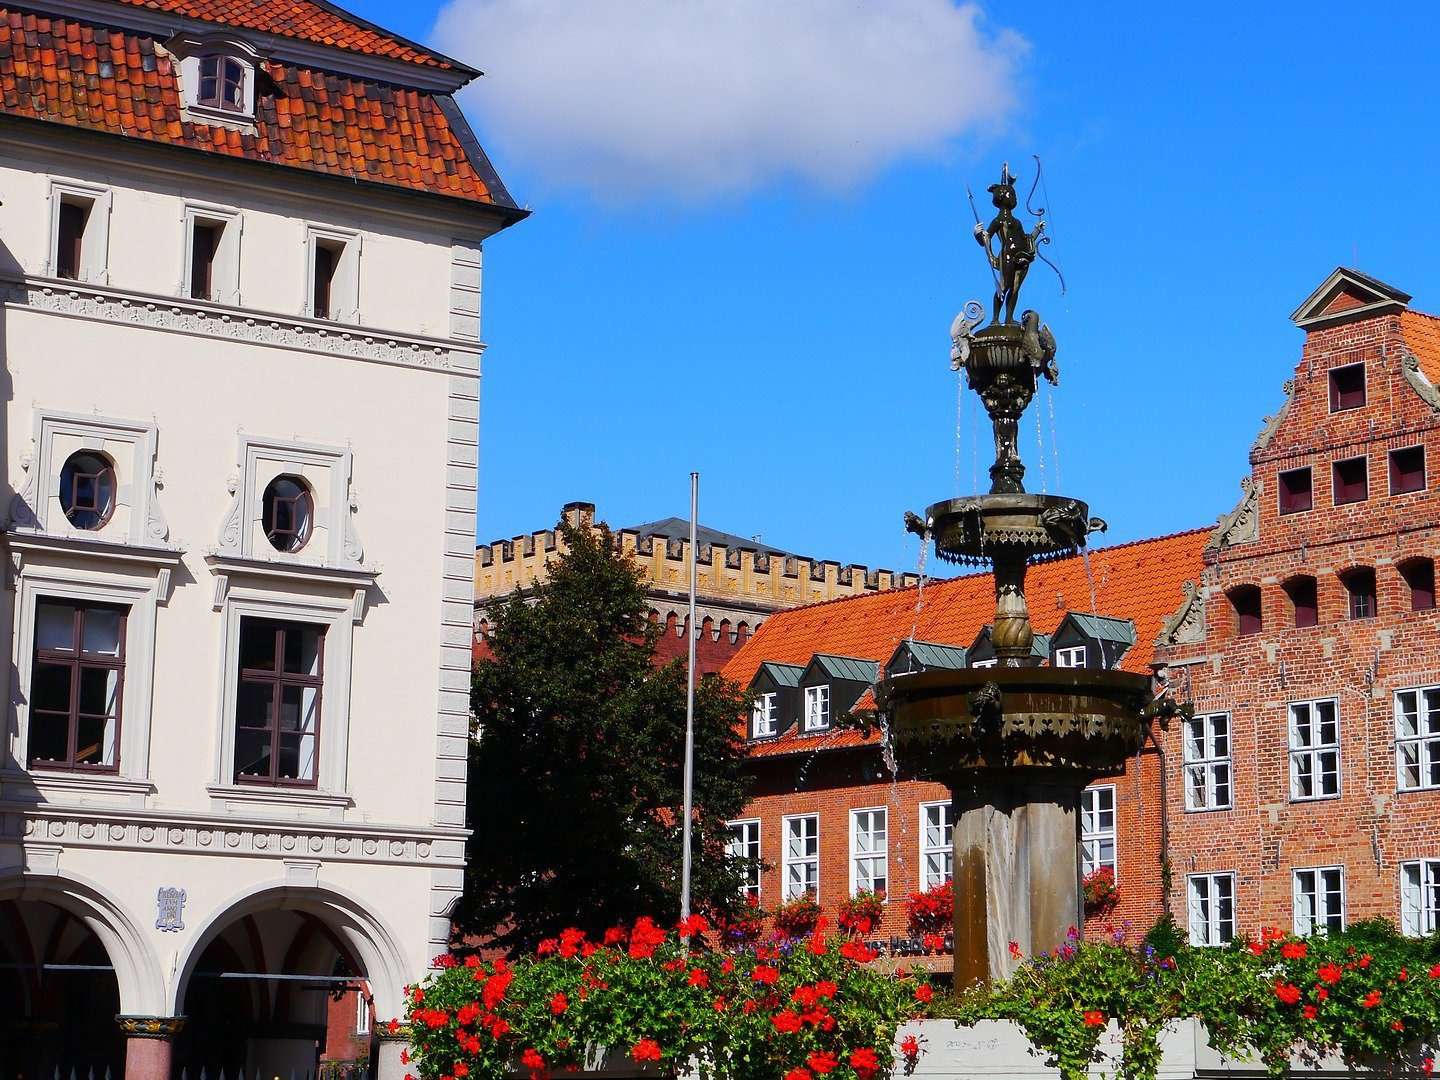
<point>199,405</point>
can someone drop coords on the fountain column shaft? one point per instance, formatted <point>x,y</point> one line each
<point>1017,870</point>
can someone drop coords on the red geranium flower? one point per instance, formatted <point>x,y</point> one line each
<point>1365,960</point>
<point>934,942</point>
<point>1258,947</point>
<point>787,1021</point>
<point>460,1070</point>
<point>692,925</point>
<point>1435,972</point>
<point>645,938</point>
<point>570,939</point>
<point>825,988</point>
<point>1397,1025</point>
<point>718,1004</point>
<point>857,951</point>
<point>1372,999</point>
<point>865,1062</point>
<point>1321,993</point>
<point>1427,1065</point>
<point>924,993</point>
<point>558,1004</point>
<point>765,974</point>
<point>531,1059</point>
<point>797,1074</point>
<point>817,945</point>
<point>1333,973</point>
<point>1293,950</point>
<point>1287,992</point>
<point>1311,1012</point>
<point>698,977</point>
<point>1015,952</point>
<point>910,1047</point>
<point>822,1062</point>
<point>546,947</point>
<point>646,1050</point>
<point>1094,1018</point>
<point>615,935</point>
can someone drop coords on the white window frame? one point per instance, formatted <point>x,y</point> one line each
<point>362,1013</point>
<point>764,715</point>
<point>334,614</point>
<point>817,707</point>
<point>1208,926</point>
<point>345,287</point>
<point>803,861</point>
<point>739,847</point>
<point>1093,834</point>
<point>874,858</point>
<point>991,662</point>
<point>1419,897</point>
<point>193,48</point>
<point>1320,921</point>
<point>1313,753</point>
<point>1072,656</point>
<point>225,272</point>
<point>944,851</point>
<point>132,781</point>
<point>1423,747</point>
<point>1208,764</point>
<point>94,268</point>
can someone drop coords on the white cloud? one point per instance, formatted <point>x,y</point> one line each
<point>693,99</point>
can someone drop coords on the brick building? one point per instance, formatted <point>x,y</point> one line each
<point>1304,792</point>
<point>740,582</point>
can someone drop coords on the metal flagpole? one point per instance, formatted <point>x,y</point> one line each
<point>690,708</point>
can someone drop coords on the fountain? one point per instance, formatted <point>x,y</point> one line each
<point>1015,743</point>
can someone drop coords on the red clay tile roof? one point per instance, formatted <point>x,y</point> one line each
<point>305,20</point>
<point>1140,581</point>
<point>85,76</point>
<point>1422,334</point>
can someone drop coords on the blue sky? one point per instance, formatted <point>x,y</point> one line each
<point>1205,170</point>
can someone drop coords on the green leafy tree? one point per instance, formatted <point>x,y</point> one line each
<point>576,768</point>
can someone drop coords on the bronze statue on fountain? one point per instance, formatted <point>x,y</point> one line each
<point>1018,742</point>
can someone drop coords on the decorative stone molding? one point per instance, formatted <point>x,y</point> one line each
<point>1242,524</point>
<point>1187,625</point>
<point>198,317</point>
<point>337,842</point>
<point>1410,368</point>
<point>150,1027</point>
<point>1272,423</point>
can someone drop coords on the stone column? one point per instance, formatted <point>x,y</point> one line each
<point>148,1045</point>
<point>386,1065</point>
<point>1017,868</point>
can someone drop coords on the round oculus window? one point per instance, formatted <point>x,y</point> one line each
<point>87,489</point>
<point>289,511</point>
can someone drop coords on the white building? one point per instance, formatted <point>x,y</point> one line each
<point>240,271</point>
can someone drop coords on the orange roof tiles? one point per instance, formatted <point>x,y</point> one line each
<point>305,20</point>
<point>1422,334</point>
<point>1140,581</point>
<point>85,76</point>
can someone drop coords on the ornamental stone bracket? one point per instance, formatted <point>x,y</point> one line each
<point>1410,368</point>
<point>1272,423</point>
<point>1242,524</point>
<point>1187,625</point>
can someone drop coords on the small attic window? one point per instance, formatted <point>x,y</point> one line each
<point>1347,387</point>
<point>217,78</point>
<point>222,84</point>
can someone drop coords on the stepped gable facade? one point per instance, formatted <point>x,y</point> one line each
<point>827,816</point>
<point>1306,791</point>
<point>740,582</point>
<point>240,278</point>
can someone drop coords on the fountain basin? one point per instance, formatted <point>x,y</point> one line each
<point>981,527</point>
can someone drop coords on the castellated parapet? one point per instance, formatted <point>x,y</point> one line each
<point>738,585</point>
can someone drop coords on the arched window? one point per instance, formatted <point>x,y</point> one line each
<point>1245,599</point>
<point>1360,584</point>
<point>1419,575</point>
<point>288,511</point>
<point>1304,599</point>
<point>87,489</point>
<point>222,83</point>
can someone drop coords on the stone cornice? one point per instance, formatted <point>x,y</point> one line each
<point>229,835</point>
<point>179,315</point>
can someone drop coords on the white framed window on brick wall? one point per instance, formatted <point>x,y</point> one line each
<point>1420,897</point>
<point>1097,828</point>
<point>1207,762</point>
<point>1211,903</point>
<point>744,843</point>
<point>764,715</point>
<point>1314,749</point>
<point>1417,738</point>
<point>937,857</point>
<point>362,1013</point>
<point>869,850</point>
<point>1319,900</point>
<point>801,855</point>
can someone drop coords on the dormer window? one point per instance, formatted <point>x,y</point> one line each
<point>1071,656</point>
<point>222,84</point>
<point>817,707</point>
<point>763,716</point>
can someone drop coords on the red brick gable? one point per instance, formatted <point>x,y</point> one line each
<point>66,72</point>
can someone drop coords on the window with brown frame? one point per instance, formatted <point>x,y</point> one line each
<point>1246,601</point>
<point>277,706</point>
<point>77,682</point>
<point>1407,470</point>
<point>222,84</point>
<point>287,513</point>
<point>1296,491</point>
<point>1304,600</point>
<point>1360,584</point>
<point>70,238</point>
<point>1347,387</point>
<point>87,489</point>
<point>1419,575</point>
<point>1352,482</point>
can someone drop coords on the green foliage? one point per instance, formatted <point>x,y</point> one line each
<point>1365,994</point>
<point>1165,937</point>
<point>576,771</point>
<point>651,996</point>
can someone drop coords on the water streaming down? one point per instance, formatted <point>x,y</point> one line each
<point>1089,580</point>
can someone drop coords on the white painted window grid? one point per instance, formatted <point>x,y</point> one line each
<point>1211,900</point>
<point>362,1013</point>
<point>869,849</point>
<point>985,663</point>
<point>1071,656</point>
<point>1420,897</point>
<point>744,843</point>
<point>817,707</point>
<point>1417,738</point>
<point>1207,762</point>
<point>1319,900</point>
<point>1097,828</point>
<point>763,716</point>
<point>937,864</point>
<point>1314,749</point>
<point>802,855</point>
